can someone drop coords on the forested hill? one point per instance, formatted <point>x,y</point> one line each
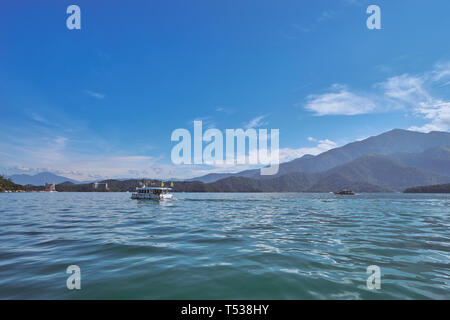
<point>437,188</point>
<point>8,185</point>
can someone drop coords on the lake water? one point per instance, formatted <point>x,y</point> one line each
<point>224,246</point>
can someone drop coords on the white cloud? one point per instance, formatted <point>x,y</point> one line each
<point>326,15</point>
<point>256,122</point>
<point>96,95</point>
<point>405,88</point>
<point>207,122</point>
<point>88,166</point>
<point>412,93</point>
<point>439,115</point>
<point>57,155</point>
<point>37,151</point>
<point>21,168</point>
<point>287,154</point>
<point>224,110</point>
<point>441,71</point>
<point>45,152</point>
<point>39,119</point>
<point>339,102</point>
<point>352,2</point>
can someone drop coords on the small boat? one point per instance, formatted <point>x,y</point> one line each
<point>152,193</point>
<point>345,193</point>
<point>50,187</point>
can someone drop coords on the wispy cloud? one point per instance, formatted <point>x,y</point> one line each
<point>72,150</point>
<point>34,154</point>
<point>353,2</point>
<point>39,119</point>
<point>96,95</point>
<point>442,71</point>
<point>411,93</point>
<point>224,110</point>
<point>287,154</point>
<point>256,122</point>
<point>438,113</point>
<point>405,88</point>
<point>414,94</point>
<point>339,102</point>
<point>321,18</point>
<point>300,28</point>
<point>208,122</point>
<point>88,167</point>
<point>54,154</point>
<point>328,14</point>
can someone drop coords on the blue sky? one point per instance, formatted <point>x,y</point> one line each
<point>103,101</point>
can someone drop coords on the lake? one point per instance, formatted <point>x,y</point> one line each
<point>224,246</point>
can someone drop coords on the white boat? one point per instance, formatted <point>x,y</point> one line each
<point>152,193</point>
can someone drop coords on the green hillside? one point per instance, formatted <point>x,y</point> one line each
<point>439,188</point>
<point>8,185</point>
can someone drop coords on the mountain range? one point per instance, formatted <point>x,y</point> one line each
<point>438,188</point>
<point>390,162</point>
<point>39,179</point>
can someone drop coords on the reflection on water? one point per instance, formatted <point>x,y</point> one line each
<point>212,246</point>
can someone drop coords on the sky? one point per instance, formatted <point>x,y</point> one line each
<point>103,101</point>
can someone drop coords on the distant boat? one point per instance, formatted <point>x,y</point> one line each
<point>50,187</point>
<point>152,193</point>
<point>345,192</point>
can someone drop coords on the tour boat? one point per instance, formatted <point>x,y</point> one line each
<point>153,193</point>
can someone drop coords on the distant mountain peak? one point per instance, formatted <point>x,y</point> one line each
<point>399,130</point>
<point>394,141</point>
<point>40,179</point>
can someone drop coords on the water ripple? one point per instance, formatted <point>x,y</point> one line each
<point>222,246</point>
